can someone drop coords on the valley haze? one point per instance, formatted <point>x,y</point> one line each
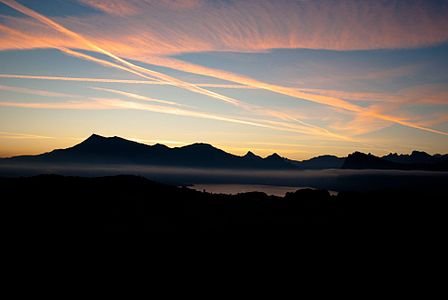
<point>204,164</point>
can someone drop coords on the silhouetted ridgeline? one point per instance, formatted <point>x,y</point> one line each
<point>115,150</point>
<point>128,203</point>
<point>360,160</point>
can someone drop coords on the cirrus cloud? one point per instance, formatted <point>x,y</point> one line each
<point>173,27</point>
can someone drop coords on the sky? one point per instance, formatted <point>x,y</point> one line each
<point>300,78</point>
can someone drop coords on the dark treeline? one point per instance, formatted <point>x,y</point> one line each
<point>51,203</point>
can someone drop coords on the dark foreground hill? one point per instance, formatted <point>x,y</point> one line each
<point>50,203</point>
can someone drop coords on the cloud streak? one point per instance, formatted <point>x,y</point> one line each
<point>260,12</point>
<point>14,135</point>
<point>261,25</point>
<point>108,103</point>
<point>232,101</point>
<point>138,97</point>
<point>244,26</point>
<point>323,99</point>
<point>126,81</point>
<point>22,90</point>
<point>92,46</point>
<point>78,105</point>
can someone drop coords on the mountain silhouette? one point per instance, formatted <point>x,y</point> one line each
<point>416,161</point>
<point>321,162</point>
<point>358,160</point>
<point>116,150</point>
<point>416,157</point>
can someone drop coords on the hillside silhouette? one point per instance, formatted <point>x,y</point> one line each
<point>51,203</point>
<point>115,150</point>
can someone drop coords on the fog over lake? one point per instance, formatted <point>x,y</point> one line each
<point>331,179</point>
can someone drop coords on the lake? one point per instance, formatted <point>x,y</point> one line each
<point>244,188</point>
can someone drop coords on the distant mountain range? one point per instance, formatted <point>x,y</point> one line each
<point>115,150</point>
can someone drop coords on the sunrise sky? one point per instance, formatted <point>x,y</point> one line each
<point>300,78</point>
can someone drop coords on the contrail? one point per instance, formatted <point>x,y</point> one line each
<point>81,105</point>
<point>247,107</point>
<point>127,81</point>
<point>183,112</point>
<point>104,62</point>
<point>138,97</point>
<point>310,129</point>
<point>326,100</point>
<point>100,103</point>
<point>56,105</point>
<point>176,82</point>
<point>292,92</point>
<point>406,123</point>
<point>179,83</point>
<point>14,135</point>
<point>137,69</point>
<point>23,90</point>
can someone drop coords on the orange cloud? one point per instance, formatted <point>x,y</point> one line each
<point>131,8</point>
<point>301,127</point>
<point>194,88</point>
<point>116,8</point>
<point>262,25</point>
<point>161,28</point>
<point>292,92</point>
<point>240,32</point>
<point>15,135</point>
<point>435,94</point>
<point>107,103</point>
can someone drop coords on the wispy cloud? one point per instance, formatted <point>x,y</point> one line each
<point>178,83</point>
<point>23,90</point>
<point>114,8</point>
<point>229,77</point>
<point>210,36</point>
<point>126,81</point>
<point>435,94</point>
<point>15,135</point>
<point>300,126</point>
<point>83,105</point>
<point>98,103</point>
<point>260,25</point>
<point>93,46</point>
<point>302,94</point>
<point>136,96</point>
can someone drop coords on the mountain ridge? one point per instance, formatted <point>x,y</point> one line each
<point>117,150</point>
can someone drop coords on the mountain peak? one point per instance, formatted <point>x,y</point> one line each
<point>94,138</point>
<point>199,146</point>
<point>274,156</point>
<point>160,146</point>
<point>250,154</point>
<point>419,153</point>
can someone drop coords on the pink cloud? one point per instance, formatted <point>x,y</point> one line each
<point>170,27</point>
<point>261,27</point>
<point>116,8</point>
